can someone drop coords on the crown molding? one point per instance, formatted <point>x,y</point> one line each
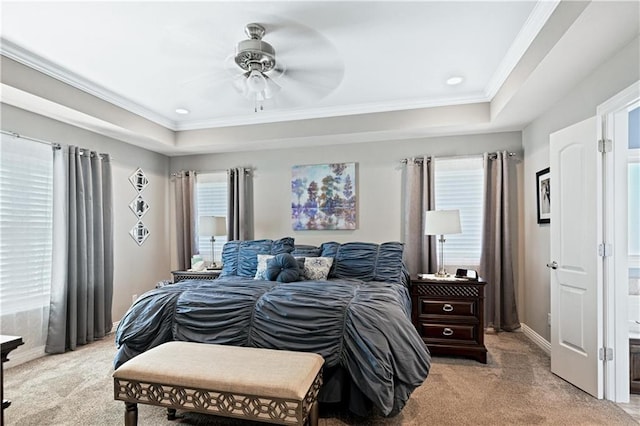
<point>13,51</point>
<point>534,23</point>
<point>264,117</point>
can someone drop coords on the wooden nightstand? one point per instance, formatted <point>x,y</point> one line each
<point>449,315</point>
<point>209,274</point>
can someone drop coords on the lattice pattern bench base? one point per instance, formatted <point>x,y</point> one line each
<point>250,383</point>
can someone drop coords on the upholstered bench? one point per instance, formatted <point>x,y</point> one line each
<point>256,384</point>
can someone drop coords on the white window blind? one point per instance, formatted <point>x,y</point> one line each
<point>26,185</point>
<point>459,185</point>
<point>211,189</point>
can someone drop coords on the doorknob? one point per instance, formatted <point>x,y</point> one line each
<point>552,265</point>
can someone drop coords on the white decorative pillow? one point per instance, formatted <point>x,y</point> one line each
<point>317,268</point>
<point>261,272</point>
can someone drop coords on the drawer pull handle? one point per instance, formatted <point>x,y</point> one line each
<point>447,332</point>
<point>447,307</point>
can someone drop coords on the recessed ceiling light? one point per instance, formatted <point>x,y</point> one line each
<point>182,111</point>
<point>453,81</point>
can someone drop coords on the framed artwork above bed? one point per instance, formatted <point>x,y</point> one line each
<point>323,196</point>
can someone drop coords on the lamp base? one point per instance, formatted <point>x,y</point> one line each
<point>442,272</point>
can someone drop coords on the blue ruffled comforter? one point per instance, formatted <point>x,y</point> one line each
<point>363,327</point>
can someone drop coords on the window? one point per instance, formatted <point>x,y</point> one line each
<point>26,227</point>
<point>459,184</point>
<point>212,201</point>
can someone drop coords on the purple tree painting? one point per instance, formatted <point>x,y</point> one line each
<point>323,196</point>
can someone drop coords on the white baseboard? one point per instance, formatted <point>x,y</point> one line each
<point>537,339</point>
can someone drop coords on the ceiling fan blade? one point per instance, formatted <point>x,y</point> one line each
<point>291,98</point>
<point>321,81</point>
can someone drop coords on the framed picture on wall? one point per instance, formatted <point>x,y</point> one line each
<point>543,186</point>
<point>323,197</point>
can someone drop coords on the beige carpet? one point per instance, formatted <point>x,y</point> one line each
<point>514,388</point>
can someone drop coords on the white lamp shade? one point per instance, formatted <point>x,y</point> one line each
<point>442,222</point>
<point>212,226</point>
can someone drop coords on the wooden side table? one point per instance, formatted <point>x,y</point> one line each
<point>7,344</point>
<point>449,315</point>
<point>209,274</point>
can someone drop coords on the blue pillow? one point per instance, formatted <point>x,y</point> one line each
<point>366,261</point>
<point>241,257</point>
<point>283,268</point>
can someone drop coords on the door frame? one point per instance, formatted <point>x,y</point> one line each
<point>616,273</point>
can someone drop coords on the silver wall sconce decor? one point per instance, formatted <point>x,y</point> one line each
<point>139,206</point>
<point>139,233</point>
<point>139,180</point>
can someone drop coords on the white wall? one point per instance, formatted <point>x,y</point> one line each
<point>137,268</point>
<point>612,76</point>
<point>379,181</point>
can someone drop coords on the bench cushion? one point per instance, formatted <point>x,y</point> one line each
<point>252,371</point>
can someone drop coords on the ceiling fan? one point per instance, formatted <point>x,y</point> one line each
<point>296,77</point>
<point>256,58</point>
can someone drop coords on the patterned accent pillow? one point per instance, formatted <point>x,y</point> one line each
<point>317,268</point>
<point>262,266</point>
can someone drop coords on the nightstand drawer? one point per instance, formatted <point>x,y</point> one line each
<point>449,332</point>
<point>459,308</point>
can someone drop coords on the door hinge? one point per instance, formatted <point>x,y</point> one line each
<point>605,354</point>
<point>604,250</point>
<point>605,145</point>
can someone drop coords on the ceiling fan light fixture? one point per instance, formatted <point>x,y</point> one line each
<point>256,82</point>
<point>271,88</point>
<point>256,57</point>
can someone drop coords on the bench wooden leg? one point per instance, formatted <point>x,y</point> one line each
<point>314,414</point>
<point>131,414</point>
<point>171,414</point>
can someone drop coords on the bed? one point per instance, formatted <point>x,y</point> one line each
<point>349,303</point>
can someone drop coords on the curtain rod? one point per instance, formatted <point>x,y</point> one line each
<point>492,156</point>
<point>246,170</point>
<point>55,145</point>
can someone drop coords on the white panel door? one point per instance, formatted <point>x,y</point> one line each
<point>576,290</point>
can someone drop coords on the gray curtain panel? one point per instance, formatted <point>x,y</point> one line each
<point>418,190</point>
<point>239,204</point>
<point>82,284</point>
<point>496,262</point>
<point>186,210</point>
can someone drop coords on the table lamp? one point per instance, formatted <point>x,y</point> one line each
<point>442,222</point>
<point>212,226</point>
